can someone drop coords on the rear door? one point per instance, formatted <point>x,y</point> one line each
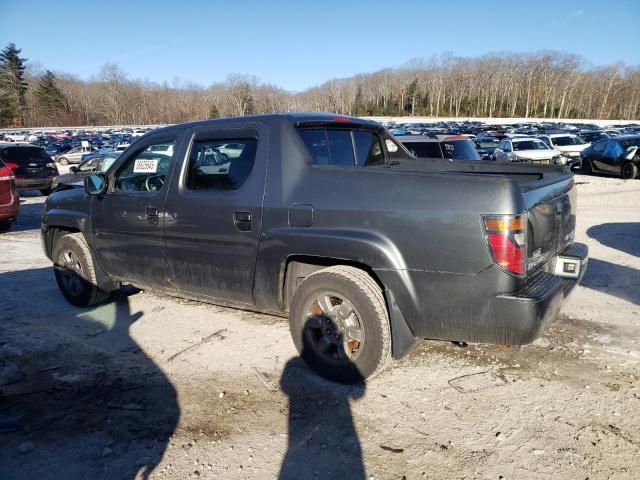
<point>128,219</point>
<point>595,156</point>
<point>214,212</point>
<point>612,157</point>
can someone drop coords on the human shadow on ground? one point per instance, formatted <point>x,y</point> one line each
<point>322,440</point>
<point>621,236</point>
<point>90,403</point>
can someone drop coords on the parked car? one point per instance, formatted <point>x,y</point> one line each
<point>568,144</point>
<point>74,155</point>
<point>32,167</point>
<point>330,220</point>
<point>97,163</point>
<point>443,147</point>
<point>9,200</point>
<point>526,149</point>
<point>593,135</point>
<point>613,156</point>
<point>15,137</point>
<point>486,146</point>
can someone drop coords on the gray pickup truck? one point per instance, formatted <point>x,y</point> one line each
<point>330,221</point>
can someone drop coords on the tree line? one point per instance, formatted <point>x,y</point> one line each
<point>546,84</point>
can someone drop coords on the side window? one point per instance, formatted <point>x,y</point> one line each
<point>507,146</point>
<point>329,147</point>
<point>395,151</point>
<point>547,140</point>
<point>220,164</point>
<point>145,170</point>
<point>90,165</point>
<point>368,148</point>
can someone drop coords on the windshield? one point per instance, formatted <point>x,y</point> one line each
<point>529,145</point>
<point>567,141</point>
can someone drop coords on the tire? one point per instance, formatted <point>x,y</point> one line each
<point>75,273</point>
<point>587,167</point>
<point>5,226</point>
<point>45,191</point>
<point>629,170</point>
<point>63,161</point>
<point>341,346</point>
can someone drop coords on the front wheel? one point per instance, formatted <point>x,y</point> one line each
<point>586,166</point>
<point>63,161</point>
<point>75,273</point>
<point>339,324</point>
<point>629,170</point>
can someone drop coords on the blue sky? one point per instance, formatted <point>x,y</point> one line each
<point>299,44</point>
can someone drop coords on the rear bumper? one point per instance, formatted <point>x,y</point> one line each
<point>474,307</point>
<point>33,183</point>
<point>519,317</point>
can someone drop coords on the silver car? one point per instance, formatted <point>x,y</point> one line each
<point>526,149</point>
<point>74,155</point>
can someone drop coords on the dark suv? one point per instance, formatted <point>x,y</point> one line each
<point>32,167</point>
<point>441,147</point>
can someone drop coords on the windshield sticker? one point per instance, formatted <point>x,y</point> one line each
<point>145,166</point>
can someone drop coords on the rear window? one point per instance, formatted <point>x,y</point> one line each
<point>329,147</point>
<point>459,150</point>
<point>424,149</point>
<point>25,155</point>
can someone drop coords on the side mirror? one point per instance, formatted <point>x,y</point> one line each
<point>95,184</point>
<point>73,169</point>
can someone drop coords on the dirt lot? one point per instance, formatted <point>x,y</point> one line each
<point>150,386</point>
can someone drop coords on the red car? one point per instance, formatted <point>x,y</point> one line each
<point>9,200</point>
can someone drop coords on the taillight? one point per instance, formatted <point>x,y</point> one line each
<point>6,174</point>
<point>11,165</point>
<point>507,239</point>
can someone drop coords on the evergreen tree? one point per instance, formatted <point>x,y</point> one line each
<point>49,98</point>
<point>214,112</point>
<point>13,86</point>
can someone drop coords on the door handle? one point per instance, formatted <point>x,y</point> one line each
<point>151,212</point>
<point>242,221</point>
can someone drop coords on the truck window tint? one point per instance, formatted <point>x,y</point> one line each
<point>146,170</point>
<point>221,164</point>
<point>329,147</point>
<point>424,149</point>
<point>368,148</point>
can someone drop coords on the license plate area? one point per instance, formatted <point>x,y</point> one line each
<point>567,267</point>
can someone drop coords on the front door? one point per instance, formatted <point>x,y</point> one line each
<point>128,219</point>
<point>214,216</point>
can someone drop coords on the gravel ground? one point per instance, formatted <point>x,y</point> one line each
<point>153,387</point>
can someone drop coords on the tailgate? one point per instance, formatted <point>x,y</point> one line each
<point>551,206</point>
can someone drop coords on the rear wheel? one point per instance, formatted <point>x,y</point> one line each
<point>629,170</point>
<point>339,324</point>
<point>63,161</point>
<point>75,273</point>
<point>5,226</point>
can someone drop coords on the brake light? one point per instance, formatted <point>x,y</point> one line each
<point>341,119</point>
<point>507,239</point>
<point>6,174</point>
<point>11,165</point>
